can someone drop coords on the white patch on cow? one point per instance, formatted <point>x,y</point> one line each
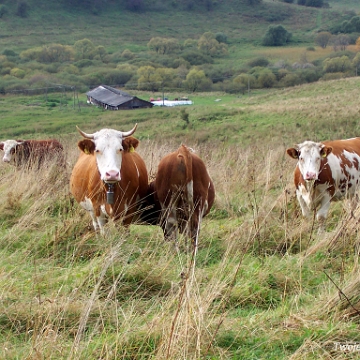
<point>353,173</point>
<point>108,152</point>
<point>309,159</point>
<point>190,192</point>
<point>137,170</point>
<point>9,145</point>
<point>310,198</point>
<point>98,222</point>
<point>87,204</point>
<point>205,207</point>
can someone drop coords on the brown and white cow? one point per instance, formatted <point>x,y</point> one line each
<point>326,171</point>
<point>109,178</point>
<point>183,193</point>
<point>32,152</point>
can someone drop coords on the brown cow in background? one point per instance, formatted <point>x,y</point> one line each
<point>28,153</point>
<point>181,195</point>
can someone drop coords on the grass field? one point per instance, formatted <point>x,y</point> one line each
<point>262,283</point>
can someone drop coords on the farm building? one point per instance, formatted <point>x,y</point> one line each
<point>114,99</point>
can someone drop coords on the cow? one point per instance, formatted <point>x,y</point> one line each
<point>27,153</point>
<point>109,178</point>
<point>181,194</point>
<point>325,172</point>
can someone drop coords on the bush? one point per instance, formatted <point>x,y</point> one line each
<point>3,10</point>
<point>290,79</point>
<point>22,9</point>
<point>260,61</point>
<point>19,73</point>
<point>195,57</point>
<point>221,37</point>
<point>276,35</point>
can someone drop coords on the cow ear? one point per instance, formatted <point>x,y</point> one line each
<point>2,146</point>
<point>130,144</point>
<point>325,151</point>
<point>86,146</point>
<point>292,152</point>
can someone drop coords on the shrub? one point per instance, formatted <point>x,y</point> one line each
<point>290,79</point>
<point>276,35</point>
<point>221,37</point>
<point>259,61</point>
<point>22,9</point>
<point>19,73</point>
<point>3,10</point>
<point>127,54</point>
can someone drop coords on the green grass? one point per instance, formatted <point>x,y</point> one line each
<point>263,282</point>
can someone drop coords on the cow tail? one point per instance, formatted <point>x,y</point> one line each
<point>189,181</point>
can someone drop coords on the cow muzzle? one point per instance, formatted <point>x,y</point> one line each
<point>310,176</point>
<point>112,176</point>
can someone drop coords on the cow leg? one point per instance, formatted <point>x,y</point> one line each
<point>322,213</point>
<point>102,220</point>
<point>170,223</point>
<point>303,204</point>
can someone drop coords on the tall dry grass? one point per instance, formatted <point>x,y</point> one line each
<point>259,278</point>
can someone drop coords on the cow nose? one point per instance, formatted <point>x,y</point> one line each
<point>6,160</point>
<point>112,175</point>
<point>310,176</point>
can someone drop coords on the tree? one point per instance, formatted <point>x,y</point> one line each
<point>355,21</point>
<point>135,5</point>
<point>22,9</point>
<point>337,64</point>
<point>340,42</point>
<point>196,80</point>
<point>210,46</point>
<point>3,10</point>
<point>84,49</point>
<point>322,39</point>
<point>266,79</point>
<point>147,78</point>
<point>163,46</point>
<point>356,63</point>
<point>276,35</point>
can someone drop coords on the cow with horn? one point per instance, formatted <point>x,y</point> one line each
<point>109,178</point>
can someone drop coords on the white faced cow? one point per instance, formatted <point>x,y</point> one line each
<point>326,171</point>
<point>109,178</point>
<point>32,152</point>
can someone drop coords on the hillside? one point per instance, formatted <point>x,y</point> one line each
<point>70,45</point>
<point>263,283</point>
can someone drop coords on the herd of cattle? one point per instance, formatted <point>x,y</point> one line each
<point>110,179</point>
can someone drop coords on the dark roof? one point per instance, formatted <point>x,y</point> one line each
<point>110,96</point>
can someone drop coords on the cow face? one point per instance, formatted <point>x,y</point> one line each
<point>108,145</point>
<point>9,147</point>
<point>310,155</point>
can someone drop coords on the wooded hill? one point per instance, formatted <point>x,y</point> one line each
<point>194,45</point>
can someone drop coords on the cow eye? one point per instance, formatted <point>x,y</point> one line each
<point>97,151</point>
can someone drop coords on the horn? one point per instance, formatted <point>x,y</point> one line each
<point>85,135</point>
<point>128,133</point>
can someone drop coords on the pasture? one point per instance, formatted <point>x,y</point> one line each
<point>261,283</point>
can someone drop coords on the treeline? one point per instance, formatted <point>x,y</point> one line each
<point>169,64</point>
<point>23,7</point>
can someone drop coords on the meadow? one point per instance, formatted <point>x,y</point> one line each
<point>261,284</point>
